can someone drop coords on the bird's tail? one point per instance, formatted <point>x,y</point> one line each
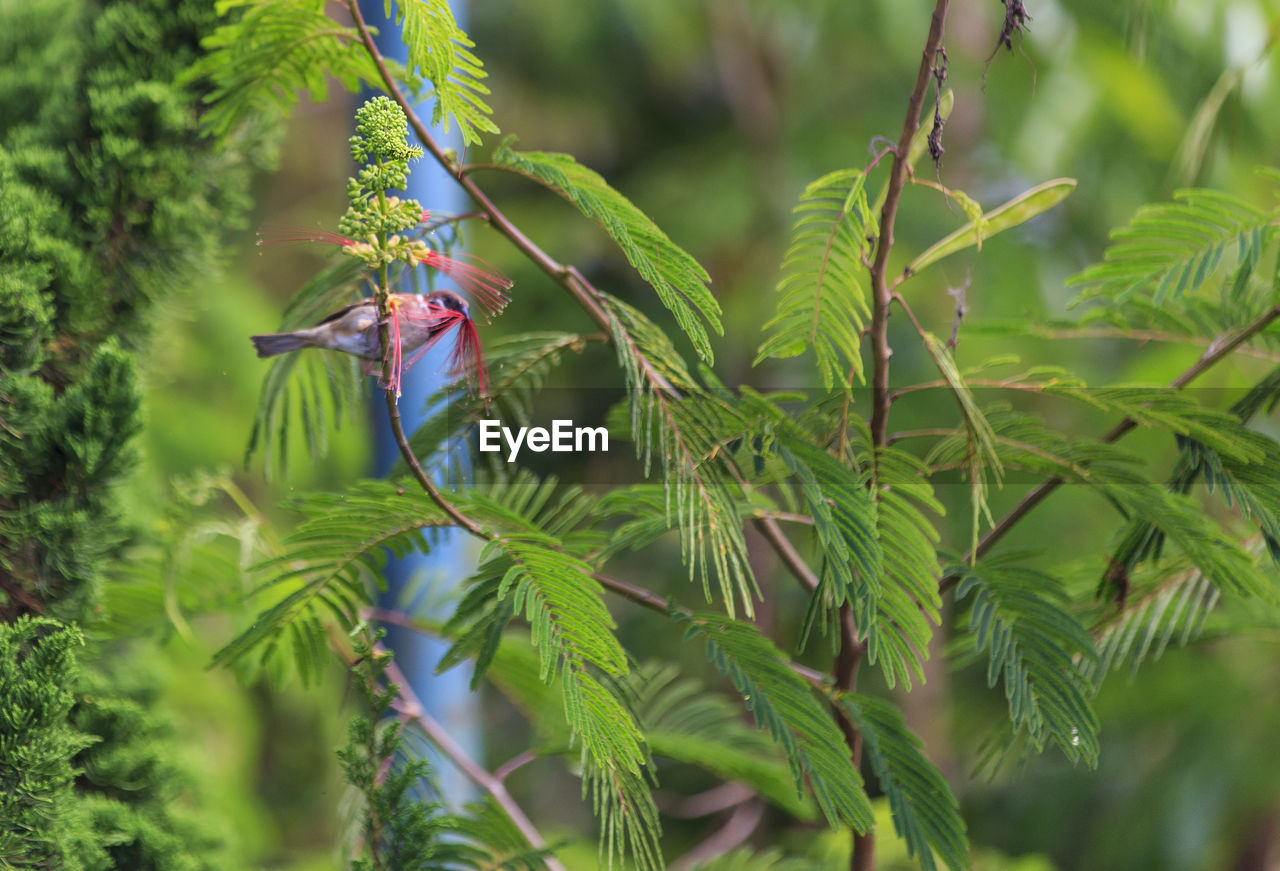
<point>278,343</point>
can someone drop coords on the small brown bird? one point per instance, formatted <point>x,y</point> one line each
<point>418,321</point>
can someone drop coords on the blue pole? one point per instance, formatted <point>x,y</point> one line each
<point>426,578</point>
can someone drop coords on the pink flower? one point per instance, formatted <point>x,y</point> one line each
<point>438,314</point>
<point>481,281</point>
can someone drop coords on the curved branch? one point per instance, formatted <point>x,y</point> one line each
<point>1218,349</point>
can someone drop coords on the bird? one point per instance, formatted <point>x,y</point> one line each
<point>418,321</point>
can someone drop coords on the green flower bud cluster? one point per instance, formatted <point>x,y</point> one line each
<point>373,219</point>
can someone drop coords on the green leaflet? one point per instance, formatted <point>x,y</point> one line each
<point>573,632</point>
<point>327,567</point>
<point>1018,617</point>
<point>442,50</point>
<point>1170,249</point>
<point>925,812</point>
<point>798,721</point>
<point>1018,210</point>
<point>310,383</point>
<point>688,426</point>
<point>823,303</point>
<point>680,281</point>
<point>276,50</point>
<point>279,48</point>
<point>982,457</point>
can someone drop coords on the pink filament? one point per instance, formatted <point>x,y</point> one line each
<point>270,234</point>
<point>467,359</point>
<point>482,282</point>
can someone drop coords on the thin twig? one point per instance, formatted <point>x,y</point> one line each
<point>741,823</point>
<point>514,764</point>
<point>408,704</point>
<point>1218,349</point>
<point>880,350</point>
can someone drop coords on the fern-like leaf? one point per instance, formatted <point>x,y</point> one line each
<point>1170,249</point>
<point>896,623</point>
<point>680,281</point>
<point>787,707</point>
<point>442,51</point>
<point>329,566</point>
<point>684,722</point>
<point>1033,644</point>
<point>688,429</point>
<point>982,457</point>
<point>823,303</point>
<point>573,632</point>
<point>263,61</point>
<point>925,812</point>
<point>1171,607</point>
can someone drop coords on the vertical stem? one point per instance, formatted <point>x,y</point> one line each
<point>846,673</point>
<point>897,180</point>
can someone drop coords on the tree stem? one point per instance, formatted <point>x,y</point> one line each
<point>846,672</point>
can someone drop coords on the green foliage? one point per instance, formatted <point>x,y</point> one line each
<point>680,281</point>
<point>685,722</point>
<point>441,50</point>
<point>534,619</point>
<point>1006,216</point>
<point>264,59</point>
<point>328,566</point>
<point>307,385</point>
<point>687,429</point>
<point>573,631</point>
<point>1017,615</point>
<point>844,517</point>
<point>783,703</point>
<point>275,49</point>
<point>926,814</point>
<point>1171,249</point>
<point>110,201</point>
<point>824,305</point>
<point>982,459</point>
<point>39,822</point>
<point>896,622</point>
<point>400,829</point>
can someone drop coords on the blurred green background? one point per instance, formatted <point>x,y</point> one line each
<point>712,115</point>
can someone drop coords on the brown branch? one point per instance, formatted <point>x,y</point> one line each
<point>410,707</point>
<point>514,764</point>
<point>846,673</point>
<point>880,350</point>
<point>1218,349</point>
<point>1142,336</point>
<point>768,527</point>
<point>736,830</point>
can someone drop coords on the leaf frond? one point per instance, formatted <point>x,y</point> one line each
<point>1033,646</point>
<point>823,303</point>
<point>680,281</point>
<point>926,813</point>
<point>442,51</point>
<point>787,707</point>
